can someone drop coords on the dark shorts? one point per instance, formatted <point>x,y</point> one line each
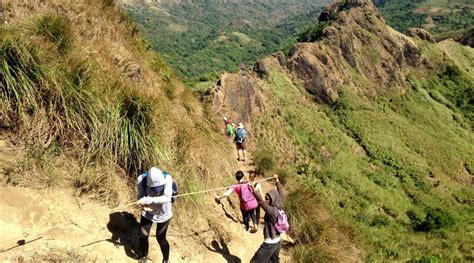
<point>240,146</point>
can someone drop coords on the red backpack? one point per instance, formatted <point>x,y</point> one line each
<point>247,198</point>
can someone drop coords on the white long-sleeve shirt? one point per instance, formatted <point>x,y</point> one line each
<point>160,205</point>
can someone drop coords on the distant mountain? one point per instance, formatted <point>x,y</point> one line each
<point>199,38</point>
<point>436,16</point>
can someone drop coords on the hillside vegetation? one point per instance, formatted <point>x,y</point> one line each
<point>436,16</point>
<point>87,105</point>
<point>199,39</point>
<point>370,131</point>
<point>384,158</point>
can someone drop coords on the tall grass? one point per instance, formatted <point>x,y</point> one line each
<point>57,30</point>
<point>318,237</point>
<point>21,74</point>
<point>119,128</point>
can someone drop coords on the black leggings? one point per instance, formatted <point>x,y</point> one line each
<point>161,229</point>
<point>247,215</point>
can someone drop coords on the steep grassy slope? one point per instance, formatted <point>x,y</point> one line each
<point>85,104</point>
<point>384,160</point>
<point>397,174</point>
<point>201,38</point>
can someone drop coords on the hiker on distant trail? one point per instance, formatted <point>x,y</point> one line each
<point>274,218</point>
<point>240,141</point>
<point>248,203</point>
<point>258,188</point>
<point>155,190</point>
<point>229,127</point>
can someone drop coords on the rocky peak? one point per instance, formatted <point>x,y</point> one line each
<point>421,34</point>
<point>357,42</point>
<point>238,96</point>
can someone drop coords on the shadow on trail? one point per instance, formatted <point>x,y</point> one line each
<point>229,215</point>
<point>124,228</point>
<point>224,251</point>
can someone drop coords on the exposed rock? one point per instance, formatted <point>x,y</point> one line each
<point>316,70</point>
<point>329,13</point>
<point>241,66</point>
<point>357,41</point>
<point>237,95</point>
<point>260,69</point>
<point>325,153</point>
<point>281,58</point>
<point>421,34</point>
<point>128,68</point>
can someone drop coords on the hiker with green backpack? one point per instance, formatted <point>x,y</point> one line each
<point>248,203</point>
<point>276,223</point>
<point>240,141</point>
<point>229,127</point>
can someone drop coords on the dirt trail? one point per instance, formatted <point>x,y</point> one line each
<point>98,234</point>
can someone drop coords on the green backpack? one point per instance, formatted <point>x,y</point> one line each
<point>230,130</point>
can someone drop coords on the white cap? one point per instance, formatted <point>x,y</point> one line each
<point>155,178</point>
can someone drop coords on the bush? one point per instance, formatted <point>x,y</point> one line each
<point>435,219</point>
<point>427,259</point>
<point>57,30</point>
<point>264,161</point>
<point>314,32</point>
<point>380,220</point>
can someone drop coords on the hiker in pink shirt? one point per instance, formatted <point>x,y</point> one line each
<point>248,203</point>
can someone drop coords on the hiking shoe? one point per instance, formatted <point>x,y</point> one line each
<point>253,230</point>
<point>145,259</point>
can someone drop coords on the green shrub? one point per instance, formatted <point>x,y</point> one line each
<point>264,161</point>
<point>313,33</point>
<point>57,30</point>
<point>380,220</point>
<point>435,219</point>
<point>427,259</point>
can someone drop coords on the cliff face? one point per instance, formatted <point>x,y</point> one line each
<point>237,95</point>
<point>356,41</point>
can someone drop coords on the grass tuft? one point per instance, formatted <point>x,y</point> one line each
<point>57,30</point>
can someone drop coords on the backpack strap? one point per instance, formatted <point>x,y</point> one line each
<point>143,182</point>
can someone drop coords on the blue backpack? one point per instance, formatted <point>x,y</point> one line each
<point>175,186</point>
<point>240,135</point>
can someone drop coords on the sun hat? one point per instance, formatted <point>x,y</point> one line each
<point>241,125</point>
<point>155,178</point>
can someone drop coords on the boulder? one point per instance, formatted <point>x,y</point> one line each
<point>421,34</point>
<point>281,58</point>
<point>260,69</point>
